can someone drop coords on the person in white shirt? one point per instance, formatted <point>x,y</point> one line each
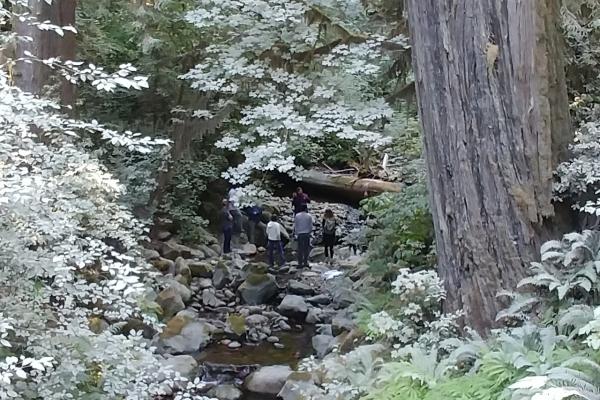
<point>274,233</point>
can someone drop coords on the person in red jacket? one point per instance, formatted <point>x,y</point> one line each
<point>299,200</point>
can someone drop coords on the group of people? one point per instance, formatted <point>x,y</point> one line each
<point>277,236</point>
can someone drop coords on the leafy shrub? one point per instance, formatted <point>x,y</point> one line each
<point>403,230</point>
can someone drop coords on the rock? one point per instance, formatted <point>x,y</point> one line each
<point>184,292</point>
<point>97,325</point>
<point>236,324</point>
<point>182,364</point>
<point>209,252</point>
<point>322,344</point>
<point>284,326</point>
<point>205,283</point>
<point>201,269</point>
<point>278,346</point>
<point>221,276</point>
<point>164,265</point>
<point>268,380</point>
<point>297,287</point>
<point>163,235</point>
<point>234,345</point>
<point>325,329</point>
<point>258,289</point>
<point>342,322</point>
<point>225,392</point>
<point>321,299</point>
<point>299,386</point>
<point>256,320</point>
<point>248,250</point>
<point>293,306</point>
<point>150,254</point>
<point>273,339</point>
<point>170,301</point>
<point>313,316</point>
<point>171,250</point>
<point>316,253</point>
<point>209,298</point>
<point>182,268</point>
<point>261,249</point>
<point>185,335</point>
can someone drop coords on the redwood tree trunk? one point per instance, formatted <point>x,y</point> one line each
<point>494,111</point>
<point>31,77</point>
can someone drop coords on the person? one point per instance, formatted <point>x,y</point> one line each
<point>329,225</point>
<point>303,226</point>
<point>227,225</point>
<point>254,214</point>
<point>235,213</point>
<point>275,232</point>
<point>299,199</point>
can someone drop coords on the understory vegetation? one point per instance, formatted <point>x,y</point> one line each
<point>179,100</point>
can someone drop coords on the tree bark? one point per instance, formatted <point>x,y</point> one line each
<point>494,110</point>
<point>31,77</point>
<point>349,183</point>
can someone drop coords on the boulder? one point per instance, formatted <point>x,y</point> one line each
<point>221,276</point>
<point>225,392</point>
<point>313,316</point>
<point>150,254</point>
<point>201,269</point>
<point>236,326</point>
<point>268,380</point>
<point>184,291</point>
<point>248,250</point>
<point>293,306</point>
<point>171,250</point>
<point>321,299</point>
<point>322,344</point>
<point>209,298</point>
<point>182,268</point>
<point>299,386</point>
<point>258,288</point>
<point>342,322</point>
<point>256,320</point>
<point>164,265</point>
<point>185,335</point>
<point>209,252</point>
<point>297,287</point>
<point>205,283</point>
<point>184,365</point>
<point>170,301</point>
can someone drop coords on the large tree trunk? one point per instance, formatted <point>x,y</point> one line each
<point>31,77</point>
<point>494,109</point>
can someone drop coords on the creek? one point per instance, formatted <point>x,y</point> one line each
<point>236,316</point>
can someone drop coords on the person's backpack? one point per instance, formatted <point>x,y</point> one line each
<point>329,226</point>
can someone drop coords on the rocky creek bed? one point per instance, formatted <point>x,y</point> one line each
<point>241,327</point>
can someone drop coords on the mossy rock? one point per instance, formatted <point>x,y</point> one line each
<point>300,376</point>
<point>201,269</point>
<point>175,326</point>
<point>257,279</point>
<point>163,265</point>
<point>97,325</point>
<point>237,324</point>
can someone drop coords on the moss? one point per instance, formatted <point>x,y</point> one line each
<point>174,326</point>
<point>257,279</point>
<point>237,323</point>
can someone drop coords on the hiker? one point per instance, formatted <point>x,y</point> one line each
<point>299,199</point>
<point>303,226</point>
<point>275,232</point>
<point>329,225</point>
<point>235,213</point>
<point>254,214</point>
<point>227,225</point>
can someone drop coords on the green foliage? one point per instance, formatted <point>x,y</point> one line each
<point>403,233</point>
<point>186,192</point>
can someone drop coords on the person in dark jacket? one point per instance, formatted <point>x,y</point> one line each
<point>227,226</point>
<point>329,225</point>
<point>254,214</point>
<point>299,200</point>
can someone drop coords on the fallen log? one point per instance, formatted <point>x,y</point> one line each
<point>349,183</point>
